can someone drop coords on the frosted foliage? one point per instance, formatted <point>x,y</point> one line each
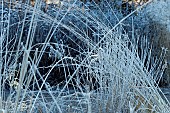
<point>77,58</point>
<point>159,11</point>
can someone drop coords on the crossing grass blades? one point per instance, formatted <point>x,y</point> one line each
<point>76,58</point>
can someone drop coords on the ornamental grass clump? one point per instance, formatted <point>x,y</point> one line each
<point>76,57</point>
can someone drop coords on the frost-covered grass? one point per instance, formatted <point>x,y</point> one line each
<point>105,69</point>
<point>158,13</point>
